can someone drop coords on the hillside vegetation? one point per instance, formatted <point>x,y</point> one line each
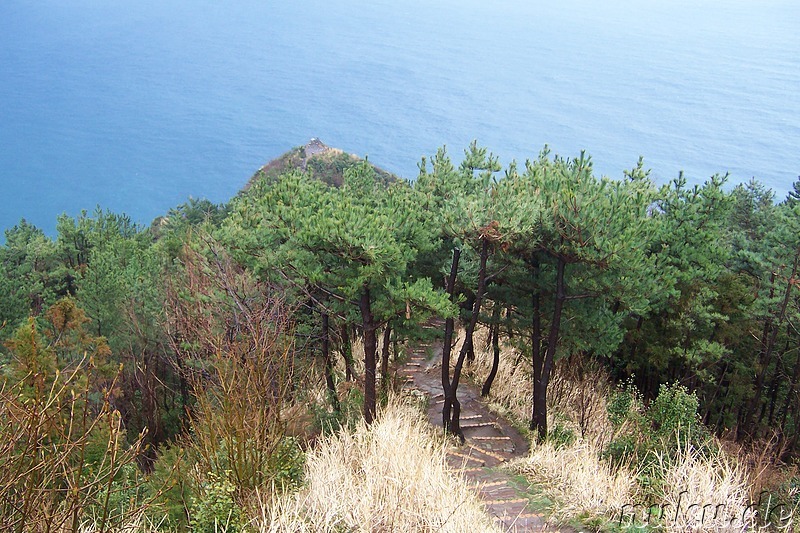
<point>228,366</point>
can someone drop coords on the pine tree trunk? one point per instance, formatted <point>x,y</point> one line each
<point>184,385</point>
<point>536,341</point>
<point>387,332</point>
<point>447,347</point>
<point>710,402</point>
<point>347,353</point>
<point>469,305</point>
<point>539,419</point>
<point>495,339</point>
<point>370,349</point>
<point>490,333</point>
<point>150,411</point>
<point>747,428</point>
<point>773,392</point>
<point>636,339</point>
<point>455,420</point>
<point>790,394</point>
<point>326,355</point>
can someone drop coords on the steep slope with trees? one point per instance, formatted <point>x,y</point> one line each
<point>673,290</point>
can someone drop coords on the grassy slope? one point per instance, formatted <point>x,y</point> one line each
<point>587,489</point>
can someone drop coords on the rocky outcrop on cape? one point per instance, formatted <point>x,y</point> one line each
<point>324,162</point>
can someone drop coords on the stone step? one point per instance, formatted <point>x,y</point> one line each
<point>467,457</point>
<point>479,425</point>
<point>488,453</point>
<point>492,484</point>
<point>507,502</point>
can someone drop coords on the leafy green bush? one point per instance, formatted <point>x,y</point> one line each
<point>650,438</point>
<point>171,488</point>
<point>287,464</point>
<point>674,414</point>
<point>626,414</point>
<point>561,435</point>
<point>216,510</point>
<point>625,404</point>
<point>620,450</point>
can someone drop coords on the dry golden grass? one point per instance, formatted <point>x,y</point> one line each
<point>765,471</point>
<point>512,386</point>
<point>582,484</point>
<point>577,394</point>
<point>357,354</point>
<point>707,492</point>
<point>578,481</point>
<point>391,476</point>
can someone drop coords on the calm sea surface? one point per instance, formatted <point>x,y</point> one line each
<point>137,106</point>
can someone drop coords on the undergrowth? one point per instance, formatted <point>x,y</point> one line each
<point>613,463</point>
<point>391,476</point>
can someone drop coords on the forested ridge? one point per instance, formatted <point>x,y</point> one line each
<point>185,366</point>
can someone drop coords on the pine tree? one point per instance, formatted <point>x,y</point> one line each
<point>348,249</point>
<point>478,216</point>
<point>589,247</point>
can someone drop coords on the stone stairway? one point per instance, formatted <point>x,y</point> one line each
<point>490,442</point>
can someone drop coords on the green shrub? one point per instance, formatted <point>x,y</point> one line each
<point>628,445</point>
<point>624,404</point>
<point>650,438</point>
<point>287,464</point>
<point>216,510</point>
<point>622,450</point>
<point>674,413</point>
<point>561,435</point>
<point>180,496</point>
<point>171,489</point>
<point>674,422</point>
<point>124,494</point>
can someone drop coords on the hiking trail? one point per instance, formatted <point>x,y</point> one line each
<point>491,441</point>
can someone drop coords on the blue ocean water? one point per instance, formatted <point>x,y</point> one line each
<point>136,106</point>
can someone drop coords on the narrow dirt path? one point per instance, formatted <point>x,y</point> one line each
<point>490,442</point>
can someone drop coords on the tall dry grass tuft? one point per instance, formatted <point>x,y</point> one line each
<point>512,385</point>
<point>765,471</point>
<point>704,491</point>
<point>578,392</point>
<point>580,483</point>
<point>357,358</point>
<point>391,476</point>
